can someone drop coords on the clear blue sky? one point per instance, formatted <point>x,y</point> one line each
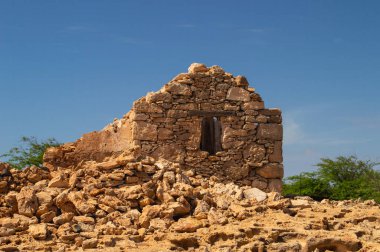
<point>70,67</point>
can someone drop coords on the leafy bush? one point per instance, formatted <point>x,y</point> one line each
<point>30,152</point>
<point>339,179</point>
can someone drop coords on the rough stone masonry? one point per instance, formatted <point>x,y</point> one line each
<point>206,120</point>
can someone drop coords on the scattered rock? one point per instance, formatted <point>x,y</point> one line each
<point>38,231</point>
<point>197,67</point>
<point>254,193</point>
<point>187,225</point>
<point>90,243</point>
<point>27,202</point>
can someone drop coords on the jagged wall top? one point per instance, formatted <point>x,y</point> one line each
<point>169,124</point>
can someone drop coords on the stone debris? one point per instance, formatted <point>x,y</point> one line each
<point>172,209</point>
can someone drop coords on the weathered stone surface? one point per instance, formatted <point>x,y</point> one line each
<point>144,131</point>
<point>238,94</point>
<point>197,67</point>
<point>300,203</point>
<point>159,97</point>
<point>143,106</point>
<point>90,243</point>
<point>235,172</point>
<point>178,89</point>
<point>4,232</point>
<point>270,131</point>
<point>253,105</point>
<point>60,181</point>
<point>276,156</point>
<point>271,171</point>
<point>180,208</point>
<point>165,134</point>
<point>149,213</point>
<point>63,218</point>
<point>254,193</point>
<point>335,243</point>
<point>275,185</point>
<point>27,202</point>
<point>255,154</point>
<point>171,152</point>
<point>187,225</point>
<point>241,81</point>
<point>80,203</point>
<point>38,231</point>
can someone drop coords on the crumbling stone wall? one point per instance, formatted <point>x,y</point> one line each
<point>168,124</point>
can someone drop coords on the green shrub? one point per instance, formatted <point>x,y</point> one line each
<point>30,152</point>
<point>339,179</point>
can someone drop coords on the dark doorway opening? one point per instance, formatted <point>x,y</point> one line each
<point>211,135</point>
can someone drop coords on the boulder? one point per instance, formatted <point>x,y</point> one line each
<point>187,225</point>
<point>80,203</point>
<point>254,193</point>
<point>90,243</point>
<point>4,232</point>
<point>149,213</point>
<point>60,181</point>
<point>27,202</point>
<point>38,231</point>
<point>197,67</point>
<point>241,81</point>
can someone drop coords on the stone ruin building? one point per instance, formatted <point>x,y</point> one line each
<point>206,120</point>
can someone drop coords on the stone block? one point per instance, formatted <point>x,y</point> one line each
<point>270,131</point>
<point>142,106</point>
<point>38,231</point>
<point>178,89</point>
<point>177,113</point>
<point>159,97</point>
<point>254,193</point>
<point>271,112</point>
<point>27,201</point>
<point>197,67</point>
<point>144,131</point>
<point>241,81</point>
<point>235,171</point>
<point>259,183</point>
<point>238,94</point>
<point>254,153</point>
<point>139,116</point>
<point>271,171</point>
<point>275,185</point>
<point>171,152</point>
<point>253,105</point>
<point>165,134</point>
<point>276,156</point>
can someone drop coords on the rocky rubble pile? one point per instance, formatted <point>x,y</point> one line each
<point>152,205</point>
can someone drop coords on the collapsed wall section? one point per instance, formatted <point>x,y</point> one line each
<point>169,124</point>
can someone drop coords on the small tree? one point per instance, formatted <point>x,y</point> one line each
<point>307,183</point>
<point>339,179</point>
<point>30,152</point>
